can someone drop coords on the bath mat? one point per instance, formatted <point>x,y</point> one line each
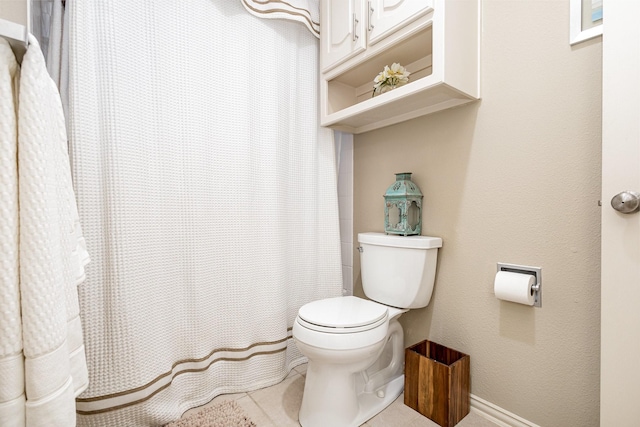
<point>224,414</point>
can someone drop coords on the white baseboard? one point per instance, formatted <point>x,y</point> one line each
<point>498,415</point>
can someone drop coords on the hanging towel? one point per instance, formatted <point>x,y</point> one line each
<point>12,396</point>
<point>47,367</point>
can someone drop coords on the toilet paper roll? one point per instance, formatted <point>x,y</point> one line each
<point>514,287</point>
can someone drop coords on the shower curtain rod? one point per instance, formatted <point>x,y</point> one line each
<point>17,35</point>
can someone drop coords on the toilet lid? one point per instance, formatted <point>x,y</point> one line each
<point>345,314</point>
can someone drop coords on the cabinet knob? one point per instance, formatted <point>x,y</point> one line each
<point>370,24</point>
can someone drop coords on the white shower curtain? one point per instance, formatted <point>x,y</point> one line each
<point>207,194</point>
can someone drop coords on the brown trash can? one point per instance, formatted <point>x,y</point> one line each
<point>436,382</point>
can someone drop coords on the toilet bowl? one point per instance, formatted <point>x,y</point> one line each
<point>355,346</point>
<point>339,355</point>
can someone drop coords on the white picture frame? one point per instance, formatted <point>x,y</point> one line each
<point>578,10</point>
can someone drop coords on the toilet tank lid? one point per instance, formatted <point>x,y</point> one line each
<point>409,242</point>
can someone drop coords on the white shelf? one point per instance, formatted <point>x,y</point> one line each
<point>424,96</point>
<point>16,35</point>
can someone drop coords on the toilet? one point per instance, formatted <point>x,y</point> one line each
<point>355,346</point>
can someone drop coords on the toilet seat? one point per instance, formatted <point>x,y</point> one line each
<point>343,315</point>
<point>342,323</point>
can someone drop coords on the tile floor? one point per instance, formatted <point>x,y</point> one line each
<point>278,406</point>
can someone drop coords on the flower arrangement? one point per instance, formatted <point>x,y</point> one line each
<point>390,78</point>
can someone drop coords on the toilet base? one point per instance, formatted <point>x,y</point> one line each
<point>371,404</point>
<point>368,405</point>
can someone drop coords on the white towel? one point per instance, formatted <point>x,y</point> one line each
<point>47,366</point>
<point>11,361</point>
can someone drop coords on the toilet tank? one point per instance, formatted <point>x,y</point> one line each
<point>398,270</point>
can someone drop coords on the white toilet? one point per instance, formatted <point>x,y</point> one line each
<point>355,346</point>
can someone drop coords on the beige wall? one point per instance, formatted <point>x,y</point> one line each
<point>512,178</point>
<point>14,10</point>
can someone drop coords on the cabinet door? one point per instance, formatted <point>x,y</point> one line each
<point>342,31</point>
<point>387,16</point>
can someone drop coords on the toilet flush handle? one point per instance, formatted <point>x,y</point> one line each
<point>360,249</point>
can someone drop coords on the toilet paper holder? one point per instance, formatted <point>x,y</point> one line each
<point>524,269</point>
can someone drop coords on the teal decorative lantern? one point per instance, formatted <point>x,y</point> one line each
<point>403,207</point>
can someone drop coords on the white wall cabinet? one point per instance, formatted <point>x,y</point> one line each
<point>386,16</point>
<point>438,41</point>
<point>343,36</point>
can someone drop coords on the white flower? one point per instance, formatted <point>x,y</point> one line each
<point>390,77</point>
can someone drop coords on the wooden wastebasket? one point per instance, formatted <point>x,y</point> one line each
<point>436,382</point>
